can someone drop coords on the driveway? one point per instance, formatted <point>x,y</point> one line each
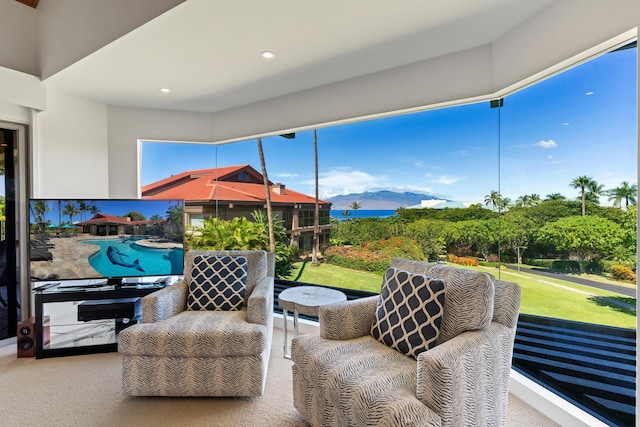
<point>629,292</point>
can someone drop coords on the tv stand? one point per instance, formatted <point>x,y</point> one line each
<point>114,281</point>
<point>118,294</point>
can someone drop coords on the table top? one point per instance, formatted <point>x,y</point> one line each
<point>308,299</point>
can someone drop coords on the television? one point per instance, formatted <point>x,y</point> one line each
<point>118,240</point>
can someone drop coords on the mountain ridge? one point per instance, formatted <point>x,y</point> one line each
<point>379,200</point>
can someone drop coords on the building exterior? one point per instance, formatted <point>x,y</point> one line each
<point>235,191</point>
<point>110,225</point>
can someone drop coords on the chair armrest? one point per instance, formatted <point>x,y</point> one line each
<point>164,303</point>
<point>348,319</point>
<point>260,302</point>
<point>466,379</point>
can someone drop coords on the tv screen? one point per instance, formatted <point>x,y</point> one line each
<point>112,239</point>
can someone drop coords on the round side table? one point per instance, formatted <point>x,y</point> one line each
<point>305,300</point>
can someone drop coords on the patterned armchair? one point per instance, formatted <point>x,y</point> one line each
<point>345,376</point>
<point>183,347</point>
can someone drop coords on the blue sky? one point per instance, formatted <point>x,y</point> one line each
<point>580,122</point>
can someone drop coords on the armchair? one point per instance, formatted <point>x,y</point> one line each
<point>345,376</point>
<point>179,350</point>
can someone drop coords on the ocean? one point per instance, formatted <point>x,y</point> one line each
<point>362,213</point>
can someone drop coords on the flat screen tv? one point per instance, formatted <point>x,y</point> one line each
<point>105,239</point>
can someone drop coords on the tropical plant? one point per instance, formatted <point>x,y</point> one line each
<point>70,209</point>
<point>582,182</point>
<point>583,236</point>
<point>594,192</point>
<point>134,215</point>
<point>39,208</point>
<point>555,196</point>
<point>355,206</point>
<point>492,199</point>
<point>625,192</point>
<point>175,219</point>
<point>528,200</point>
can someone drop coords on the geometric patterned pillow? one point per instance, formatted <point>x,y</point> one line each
<point>409,312</point>
<point>217,283</point>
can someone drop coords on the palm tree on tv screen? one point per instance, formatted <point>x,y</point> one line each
<point>71,210</point>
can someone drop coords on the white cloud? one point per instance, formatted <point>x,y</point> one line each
<point>443,179</point>
<point>286,175</point>
<point>347,181</point>
<point>545,144</point>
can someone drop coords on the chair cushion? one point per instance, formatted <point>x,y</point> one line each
<point>196,334</point>
<point>409,311</point>
<point>468,301</point>
<point>217,283</point>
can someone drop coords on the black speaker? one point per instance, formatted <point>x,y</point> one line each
<point>27,338</point>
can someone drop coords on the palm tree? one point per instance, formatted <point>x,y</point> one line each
<point>492,199</point>
<point>38,210</point>
<point>272,239</point>
<point>175,219</point>
<point>624,192</point>
<point>534,199</point>
<point>346,213</point>
<point>595,190</point>
<point>555,196</point>
<point>582,182</point>
<point>355,206</point>
<point>316,218</point>
<point>71,210</point>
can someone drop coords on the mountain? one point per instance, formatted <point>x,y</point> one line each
<point>387,200</point>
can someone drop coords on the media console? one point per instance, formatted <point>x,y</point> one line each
<point>99,309</point>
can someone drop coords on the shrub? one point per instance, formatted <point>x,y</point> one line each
<point>620,272</point>
<point>463,260</point>
<point>357,259</point>
<point>399,246</point>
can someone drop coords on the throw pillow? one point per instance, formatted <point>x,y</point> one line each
<point>217,283</point>
<point>409,311</point>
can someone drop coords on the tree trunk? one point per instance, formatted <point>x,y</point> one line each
<point>272,240</point>
<point>316,217</point>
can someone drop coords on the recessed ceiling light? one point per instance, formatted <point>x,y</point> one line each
<point>164,90</point>
<point>267,55</point>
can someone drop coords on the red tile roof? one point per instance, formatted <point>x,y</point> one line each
<point>101,218</point>
<point>213,184</point>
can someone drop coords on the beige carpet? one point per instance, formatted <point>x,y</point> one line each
<point>86,391</point>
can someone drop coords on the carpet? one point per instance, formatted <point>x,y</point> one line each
<point>86,391</point>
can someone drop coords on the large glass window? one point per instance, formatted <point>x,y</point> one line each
<point>539,188</point>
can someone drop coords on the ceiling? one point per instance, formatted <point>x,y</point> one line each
<point>207,53</point>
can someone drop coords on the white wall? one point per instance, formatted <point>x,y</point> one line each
<point>128,125</point>
<point>70,154</point>
<point>18,23</point>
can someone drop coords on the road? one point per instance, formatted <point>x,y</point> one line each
<point>629,292</point>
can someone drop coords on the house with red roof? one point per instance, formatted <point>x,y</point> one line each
<point>110,225</point>
<point>234,191</point>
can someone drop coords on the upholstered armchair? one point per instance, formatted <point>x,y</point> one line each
<point>207,335</point>
<point>347,376</point>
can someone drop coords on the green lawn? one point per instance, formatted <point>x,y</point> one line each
<point>541,296</point>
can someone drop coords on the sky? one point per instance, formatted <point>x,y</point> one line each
<point>580,122</point>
